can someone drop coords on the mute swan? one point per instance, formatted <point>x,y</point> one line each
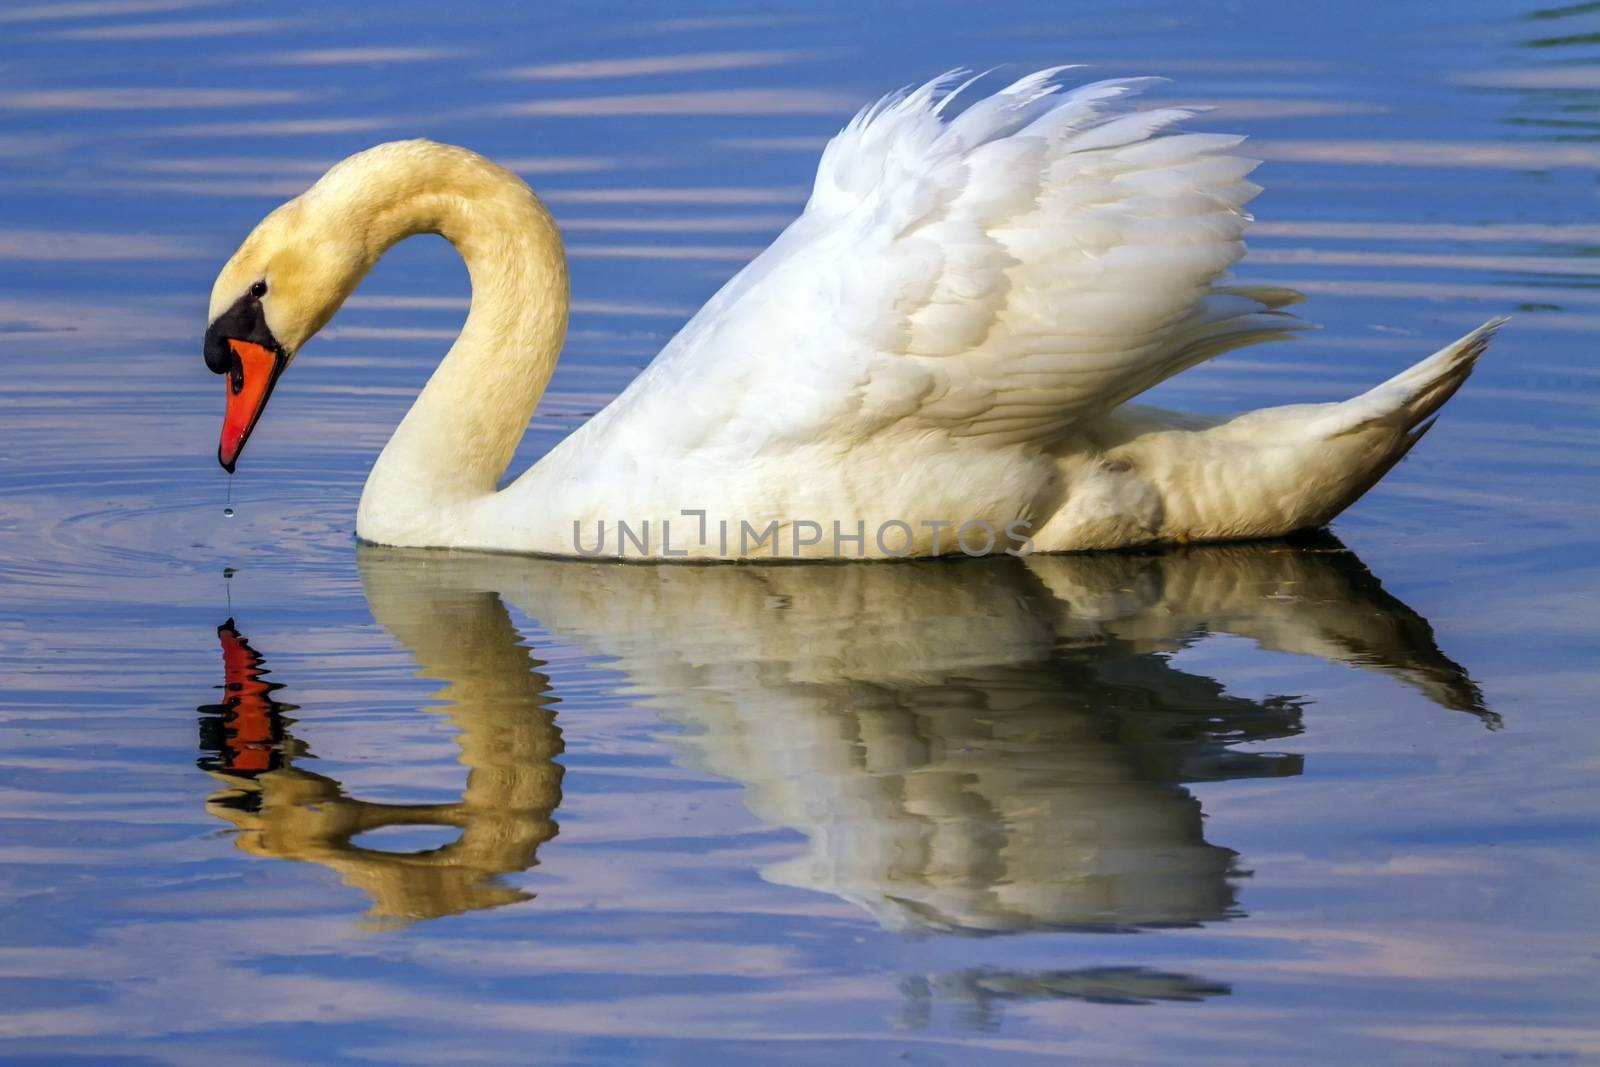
<point>934,357</point>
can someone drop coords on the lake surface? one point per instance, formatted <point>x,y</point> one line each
<point>271,797</point>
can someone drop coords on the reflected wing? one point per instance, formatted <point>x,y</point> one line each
<point>1041,256</point>
<point>1311,598</point>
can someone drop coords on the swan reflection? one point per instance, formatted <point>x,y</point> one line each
<point>499,704</point>
<point>970,747</point>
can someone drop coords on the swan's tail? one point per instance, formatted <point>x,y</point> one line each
<point>1265,473</point>
<point>1408,401</point>
<point>1383,424</point>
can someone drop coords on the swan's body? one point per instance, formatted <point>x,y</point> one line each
<point>935,357</point>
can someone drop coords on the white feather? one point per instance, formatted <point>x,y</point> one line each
<point>1023,255</point>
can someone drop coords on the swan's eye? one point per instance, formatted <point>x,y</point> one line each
<point>259,290</point>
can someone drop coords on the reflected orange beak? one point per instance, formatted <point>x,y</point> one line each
<point>245,732</point>
<point>252,726</point>
<point>254,372</point>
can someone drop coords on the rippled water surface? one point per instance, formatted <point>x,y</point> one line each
<point>269,797</point>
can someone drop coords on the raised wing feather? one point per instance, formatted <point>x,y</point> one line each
<point>1039,257</point>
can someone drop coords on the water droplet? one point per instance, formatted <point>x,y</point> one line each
<point>228,512</point>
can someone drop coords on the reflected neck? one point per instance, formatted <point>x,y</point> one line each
<point>461,432</point>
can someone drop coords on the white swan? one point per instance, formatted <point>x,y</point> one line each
<point>934,357</point>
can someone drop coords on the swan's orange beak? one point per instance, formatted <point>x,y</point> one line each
<point>250,379</point>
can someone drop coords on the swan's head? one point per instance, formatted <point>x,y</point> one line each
<point>281,287</point>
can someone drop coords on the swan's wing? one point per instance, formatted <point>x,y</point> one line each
<point>1039,257</point>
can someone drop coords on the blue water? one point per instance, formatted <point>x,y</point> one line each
<point>1330,800</point>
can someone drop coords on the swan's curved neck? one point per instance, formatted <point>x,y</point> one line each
<point>459,436</point>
